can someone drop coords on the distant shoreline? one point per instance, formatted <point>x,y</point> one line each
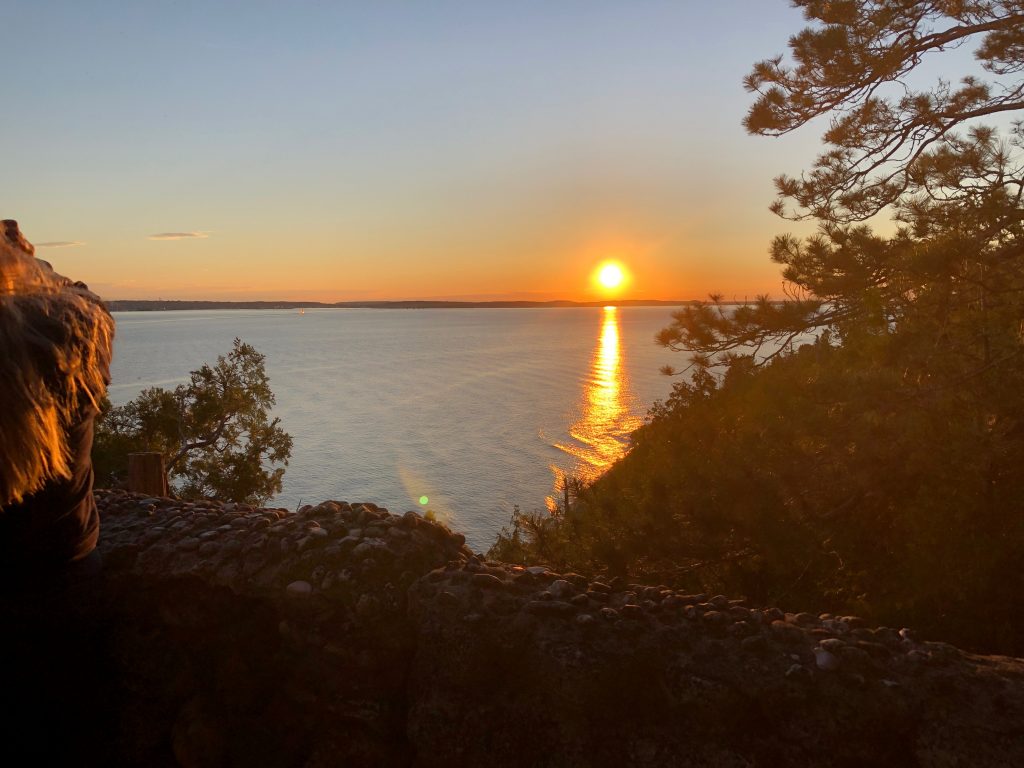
<point>156,305</point>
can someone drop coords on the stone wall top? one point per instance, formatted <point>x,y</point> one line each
<point>389,642</point>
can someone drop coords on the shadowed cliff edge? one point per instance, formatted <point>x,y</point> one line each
<point>344,635</point>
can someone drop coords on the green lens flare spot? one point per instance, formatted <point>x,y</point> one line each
<point>424,500</point>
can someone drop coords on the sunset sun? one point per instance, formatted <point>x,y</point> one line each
<point>610,276</point>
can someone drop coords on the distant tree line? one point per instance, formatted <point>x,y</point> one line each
<point>860,446</point>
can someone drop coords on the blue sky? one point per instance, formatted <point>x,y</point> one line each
<point>394,150</point>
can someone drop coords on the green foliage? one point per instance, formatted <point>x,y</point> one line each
<point>889,141</point>
<point>214,431</point>
<point>858,447</point>
<point>827,480</point>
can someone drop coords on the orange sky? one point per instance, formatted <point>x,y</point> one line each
<point>387,152</point>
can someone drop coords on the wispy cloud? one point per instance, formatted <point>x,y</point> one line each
<point>60,244</point>
<point>178,235</point>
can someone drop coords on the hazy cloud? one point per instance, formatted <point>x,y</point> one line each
<point>60,244</point>
<point>178,235</point>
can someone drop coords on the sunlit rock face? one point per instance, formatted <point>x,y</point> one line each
<point>344,635</point>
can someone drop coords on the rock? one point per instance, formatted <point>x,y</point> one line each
<point>832,644</point>
<point>739,613</point>
<point>486,581</point>
<point>887,636</point>
<point>577,580</point>
<point>388,649</point>
<point>942,651</point>
<point>299,589</point>
<point>787,633</point>
<point>232,547</point>
<point>825,660</point>
<point>773,614</point>
<point>634,612</point>
<point>549,608</point>
<point>715,618</point>
<point>917,656</point>
<point>367,547</point>
<point>561,589</point>
<point>754,643</point>
<point>798,672</point>
<point>349,543</point>
<point>367,606</point>
<point>877,650</point>
<point>853,655</point>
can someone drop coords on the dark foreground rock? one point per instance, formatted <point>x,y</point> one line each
<point>547,670</point>
<point>345,636</point>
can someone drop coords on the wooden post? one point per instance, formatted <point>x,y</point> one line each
<point>146,473</point>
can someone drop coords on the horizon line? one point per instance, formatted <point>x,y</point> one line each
<point>120,304</point>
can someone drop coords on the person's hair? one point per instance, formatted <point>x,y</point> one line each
<point>55,342</point>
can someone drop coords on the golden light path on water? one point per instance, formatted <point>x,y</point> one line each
<point>602,432</point>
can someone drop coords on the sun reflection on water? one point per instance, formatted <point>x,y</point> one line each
<point>601,434</point>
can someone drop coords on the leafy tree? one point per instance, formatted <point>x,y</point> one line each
<point>890,142</point>
<point>908,425</point>
<point>214,431</point>
<point>858,446</point>
<point>954,186</point>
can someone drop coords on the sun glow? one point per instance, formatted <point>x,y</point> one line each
<point>610,276</point>
<point>600,436</point>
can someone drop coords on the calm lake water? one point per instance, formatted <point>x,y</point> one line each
<point>478,410</point>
